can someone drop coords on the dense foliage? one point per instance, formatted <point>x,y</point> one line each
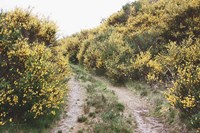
<point>32,71</point>
<point>157,41</point>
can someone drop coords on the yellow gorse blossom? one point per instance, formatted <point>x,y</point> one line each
<point>189,102</point>
<point>33,80</point>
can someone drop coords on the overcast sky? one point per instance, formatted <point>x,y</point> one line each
<point>70,15</point>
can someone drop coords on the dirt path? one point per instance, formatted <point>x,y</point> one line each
<point>138,108</point>
<point>135,106</point>
<point>68,122</point>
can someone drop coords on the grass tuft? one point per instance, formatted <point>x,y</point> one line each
<point>82,119</point>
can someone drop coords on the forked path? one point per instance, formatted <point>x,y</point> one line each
<point>138,108</point>
<point>68,122</point>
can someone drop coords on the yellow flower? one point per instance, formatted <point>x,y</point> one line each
<point>2,123</point>
<point>15,99</point>
<point>10,119</point>
<point>53,112</point>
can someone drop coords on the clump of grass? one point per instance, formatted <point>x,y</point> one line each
<point>120,107</point>
<point>80,131</point>
<point>144,93</point>
<point>92,114</point>
<point>60,131</point>
<point>82,119</point>
<point>113,127</point>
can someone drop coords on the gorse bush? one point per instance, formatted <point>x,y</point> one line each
<point>72,46</point>
<point>179,64</point>
<point>21,24</point>
<point>156,41</point>
<point>31,74</point>
<point>185,93</point>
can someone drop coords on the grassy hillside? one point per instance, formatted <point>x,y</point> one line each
<point>153,41</point>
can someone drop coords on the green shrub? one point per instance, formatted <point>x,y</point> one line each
<point>31,74</point>
<point>82,119</point>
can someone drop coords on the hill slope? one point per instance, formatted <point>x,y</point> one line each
<point>153,41</point>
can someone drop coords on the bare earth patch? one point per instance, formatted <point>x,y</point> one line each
<point>68,123</point>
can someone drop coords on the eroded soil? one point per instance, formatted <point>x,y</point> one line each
<point>68,123</point>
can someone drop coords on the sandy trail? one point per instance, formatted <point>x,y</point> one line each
<point>138,108</point>
<point>68,122</point>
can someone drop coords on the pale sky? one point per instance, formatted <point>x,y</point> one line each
<point>71,16</point>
